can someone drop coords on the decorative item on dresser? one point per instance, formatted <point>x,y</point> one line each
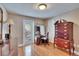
<point>64,36</point>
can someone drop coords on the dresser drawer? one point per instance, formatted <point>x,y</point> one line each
<point>66,46</point>
<point>62,43</point>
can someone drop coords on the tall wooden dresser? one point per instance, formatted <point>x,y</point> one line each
<point>64,36</point>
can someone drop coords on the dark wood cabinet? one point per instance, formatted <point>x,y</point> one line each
<point>64,36</point>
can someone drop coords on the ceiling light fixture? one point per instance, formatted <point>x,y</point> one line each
<point>42,6</point>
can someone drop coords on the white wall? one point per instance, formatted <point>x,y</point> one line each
<point>72,16</point>
<point>50,29</point>
<point>42,29</point>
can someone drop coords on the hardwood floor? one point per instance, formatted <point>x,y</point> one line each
<point>42,50</point>
<point>47,50</point>
<point>20,51</point>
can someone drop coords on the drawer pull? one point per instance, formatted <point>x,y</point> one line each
<point>65,46</point>
<point>65,42</point>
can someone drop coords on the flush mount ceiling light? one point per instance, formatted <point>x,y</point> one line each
<point>42,6</point>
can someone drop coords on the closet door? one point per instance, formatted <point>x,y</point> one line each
<point>28,32</point>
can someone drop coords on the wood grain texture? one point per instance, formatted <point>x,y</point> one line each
<point>47,50</point>
<point>43,50</point>
<point>20,51</point>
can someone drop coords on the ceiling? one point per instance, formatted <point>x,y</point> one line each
<point>29,9</point>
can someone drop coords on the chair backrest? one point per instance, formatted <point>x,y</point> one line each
<point>47,34</point>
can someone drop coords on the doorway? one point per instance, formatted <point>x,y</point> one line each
<point>28,35</point>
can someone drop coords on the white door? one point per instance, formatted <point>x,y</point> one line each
<point>28,32</point>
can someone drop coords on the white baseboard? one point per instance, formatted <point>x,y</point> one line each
<point>76,46</point>
<point>76,52</point>
<point>20,45</point>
